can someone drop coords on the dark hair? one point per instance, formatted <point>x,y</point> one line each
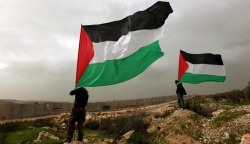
<point>176,81</point>
<point>78,90</point>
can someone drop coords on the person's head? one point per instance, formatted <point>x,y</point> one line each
<point>80,90</point>
<point>176,81</point>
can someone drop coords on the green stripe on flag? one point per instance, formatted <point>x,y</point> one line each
<point>120,70</point>
<point>199,78</point>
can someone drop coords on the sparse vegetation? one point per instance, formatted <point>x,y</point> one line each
<point>139,138</point>
<point>228,116</point>
<point>93,125</point>
<point>232,139</point>
<point>198,123</point>
<point>24,132</point>
<point>123,124</point>
<point>234,97</point>
<point>165,114</point>
<point>106,107</point>
<point>200,104</point>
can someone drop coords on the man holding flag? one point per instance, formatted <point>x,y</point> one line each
<point>78,113</point>
<point>180,91</point>
<point>115,52</point>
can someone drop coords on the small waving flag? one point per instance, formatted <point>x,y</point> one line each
<point>117,51</point>
<point>198,68</point>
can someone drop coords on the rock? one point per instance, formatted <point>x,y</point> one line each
<point>46,127</point>
<point>125,137</point>
<point>148,119</point>
<point>218,112</point>
<point>63,125</point>
<point>128,134</point>
<point>63,120</point>
<point>45,135</point>
<point>226,135</point>
<point>152,129</point>
<point>178,139</point>
<point>245,139</point>
<point>88,117</point>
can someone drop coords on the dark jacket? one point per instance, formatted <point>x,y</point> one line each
<point>81,97</point>
<point>180,89</point>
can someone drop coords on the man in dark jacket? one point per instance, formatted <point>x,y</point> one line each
<point>78,113</point>
<point>180,91</point>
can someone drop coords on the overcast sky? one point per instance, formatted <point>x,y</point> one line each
<point>39,44</point>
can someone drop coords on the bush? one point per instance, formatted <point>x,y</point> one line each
<point>106,107</point>
<point>234,95</point>
<point>123,124</point>
<point>138,138</point>
<point>217,97</point>
<point>9,127</point>
<point>195,104</point>
<point>93,125</point>
<point>166,113</point>
<point>247,92</point>
<point>232,139</point>
<point>42,122</point>
<point>3,137</point>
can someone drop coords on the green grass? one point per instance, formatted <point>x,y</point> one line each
<point>49,142</point>
<point>232,139</point>
<point>194,116</point>
<point>139,138</point>
<point>228,116</point>
<point>27,135</point>
<point>96,135</point>
<point>242,102</point>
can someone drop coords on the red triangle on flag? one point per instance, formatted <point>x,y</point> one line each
<point>183,66</point>
<point>85,54</point>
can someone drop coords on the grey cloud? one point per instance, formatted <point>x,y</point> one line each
<point>238,43</point>
<point>39,42</point>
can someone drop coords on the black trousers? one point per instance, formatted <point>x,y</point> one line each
<point>77,115</point>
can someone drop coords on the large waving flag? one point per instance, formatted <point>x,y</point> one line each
<point>117,51</point>
<point>198,68</point>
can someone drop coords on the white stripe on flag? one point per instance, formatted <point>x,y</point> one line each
<point>206,69</point>
<point>126,45</point>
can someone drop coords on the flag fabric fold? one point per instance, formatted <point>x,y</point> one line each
<point>117,51</point>
<point>198,68</point>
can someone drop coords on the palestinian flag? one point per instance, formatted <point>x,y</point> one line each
<point>117,51</point>
<point>198,68</point>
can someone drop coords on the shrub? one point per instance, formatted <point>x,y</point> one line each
<point>232,139</point>
<point>247,92</point>
<point>235,96</point>
<point>93,125</point>
<point>106,107</point>
<point>195,104</point>
<point>123,124</point>
<point>166,113</point>
<point>138,138</point>
<point>9,127</point>
<point>217,97</point>
<point>42,122</point>
<point>3,137</point>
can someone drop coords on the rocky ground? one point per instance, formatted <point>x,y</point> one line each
<point>169,125</point>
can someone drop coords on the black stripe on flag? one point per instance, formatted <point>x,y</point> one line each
<point>205,58</point>
<point>151,18</point>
